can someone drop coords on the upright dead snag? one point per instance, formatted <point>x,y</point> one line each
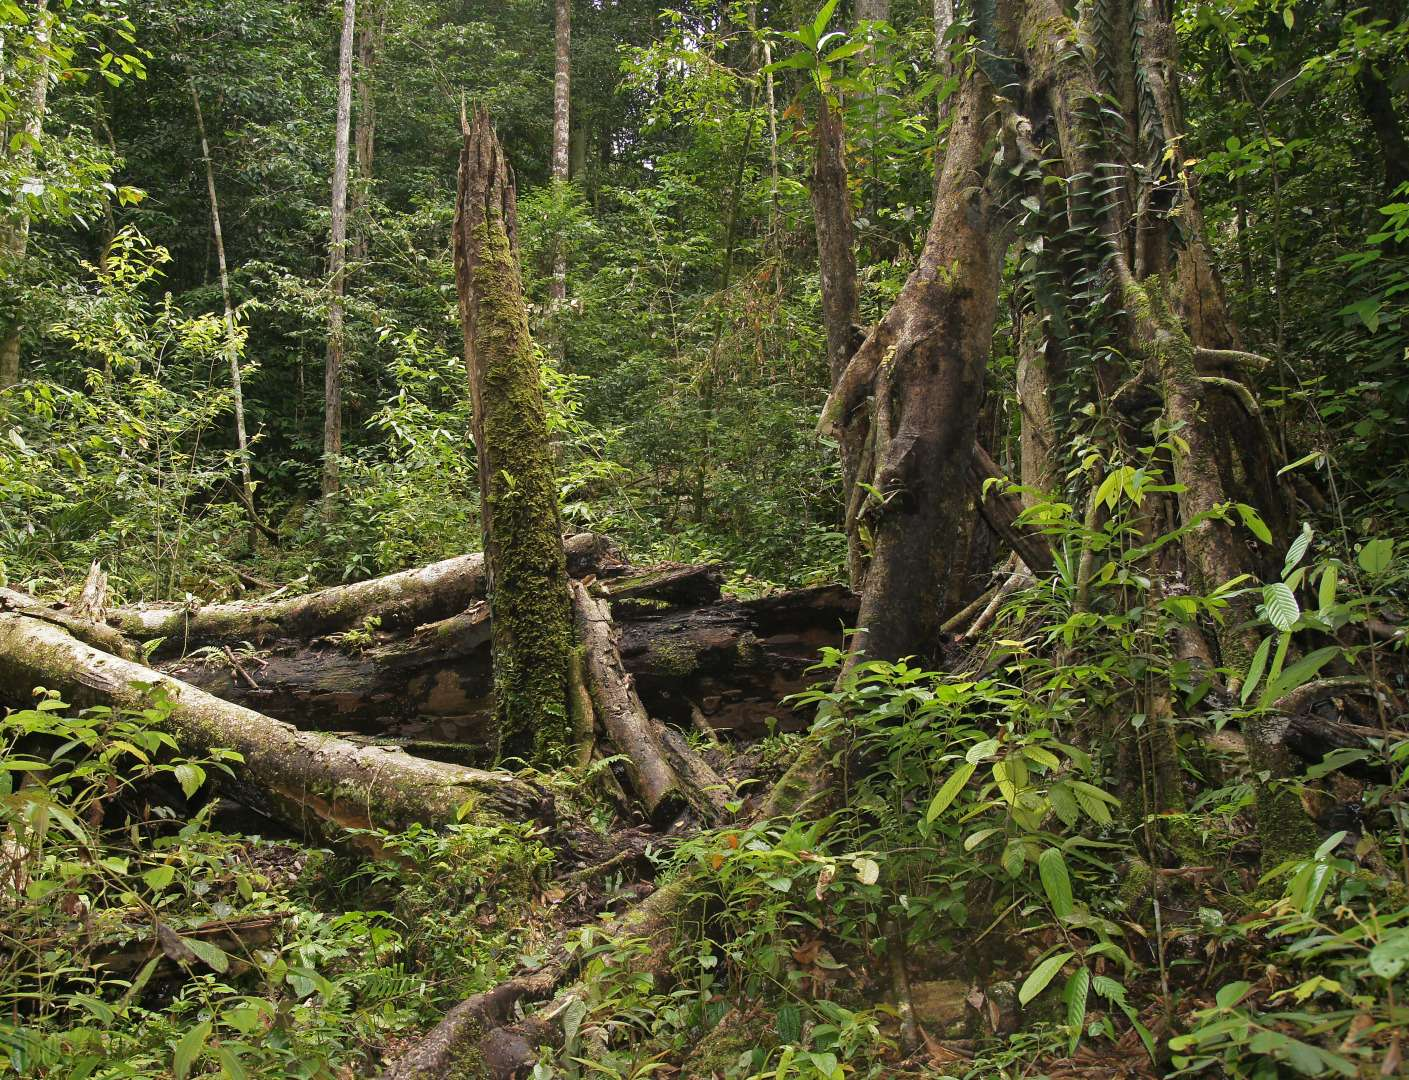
<point>532,643</point>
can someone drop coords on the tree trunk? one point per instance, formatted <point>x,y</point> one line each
<point>311,782</point>
<point>519,517</point>
<point>369,37</point>
<point>232,346</point>
<point>337,262</point>
<point>562,84</point>
<point>922,367</point>
<point>16,233</point>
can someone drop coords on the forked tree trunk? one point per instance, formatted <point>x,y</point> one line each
<point>519,516</point>
<point>922,367</point>
<point>337,263</point>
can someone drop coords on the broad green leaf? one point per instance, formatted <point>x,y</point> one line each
<point>212,956</point>
<point>189,1049</point>
<point>1390,956</point>
<point>1077,990</point>
<point>1297,551</point>
<point>1326,595</point>
<point>1375,557</point>
<point>950,790</point>
<point>819,24</point>
<point>1041,975</point>
<point>159,877</point>
<point>980,750</point>
<point>1230,995</point>
<point>1064,804</point>
<point>1280,605</point>
<point>1255,669</point>
<point>1056,882</point>
<point>1253,520</point>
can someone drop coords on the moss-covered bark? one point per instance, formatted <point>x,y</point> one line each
<point>522,527</point>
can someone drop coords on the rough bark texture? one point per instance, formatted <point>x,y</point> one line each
<point>836,261</point>
<point>518,489</point>
<point>369,36</point>
<point>923,367</point>
<point>337,262</point>
<point>311,782</point>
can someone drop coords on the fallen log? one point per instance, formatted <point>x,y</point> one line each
<point>314,783</point>
<point>729,661</point>
<point>668,776</point>
<point>397,601</point>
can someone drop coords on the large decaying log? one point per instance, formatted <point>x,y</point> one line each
<point>314,783</point>
<point>731,661</point>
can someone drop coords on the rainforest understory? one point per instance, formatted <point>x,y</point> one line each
<point>860,541</point>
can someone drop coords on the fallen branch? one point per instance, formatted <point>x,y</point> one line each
<point>667,775</point>
<point>408,599</point>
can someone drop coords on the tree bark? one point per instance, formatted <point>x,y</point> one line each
<point>337,263</point>
<point>664,772</point>
<point>922,367</point>
<point>562,85</point>
<point>231,341</point>
<point>16,232</point>
<point>311,782</point>
<point>519,516</point>
<point>369,37</point>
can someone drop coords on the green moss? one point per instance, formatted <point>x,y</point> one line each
<point>532,630</point>
<point>1136,884</point>
<point>674,658</point>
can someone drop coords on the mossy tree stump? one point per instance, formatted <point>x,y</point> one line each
<point>521,524</point>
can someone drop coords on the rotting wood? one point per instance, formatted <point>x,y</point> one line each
<point>667,775</point>
<point>314,783</point>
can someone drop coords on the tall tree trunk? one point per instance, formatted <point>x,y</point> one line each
<point>231,342</point>
<point>922,368</point>
<point>562,85</point>
<point>16,232</point>
<point>532,634</point>
<point>369,37</point>
<point>337,262</point>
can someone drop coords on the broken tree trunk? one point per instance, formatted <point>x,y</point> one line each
<point>314,783</point>
<point>519,516</point>
<point>666,773</point>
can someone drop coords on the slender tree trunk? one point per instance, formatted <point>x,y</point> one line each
<point>562,103</point>
<point>369,36</point>
<point>16,232</point>
<point>231,343</point>
<point>337,262</point>
<point>532,634</point>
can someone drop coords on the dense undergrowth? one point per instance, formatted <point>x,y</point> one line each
<point>999,887</point>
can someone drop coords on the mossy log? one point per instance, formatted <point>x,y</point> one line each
<point>400,601</point>
<point>314,783</point>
